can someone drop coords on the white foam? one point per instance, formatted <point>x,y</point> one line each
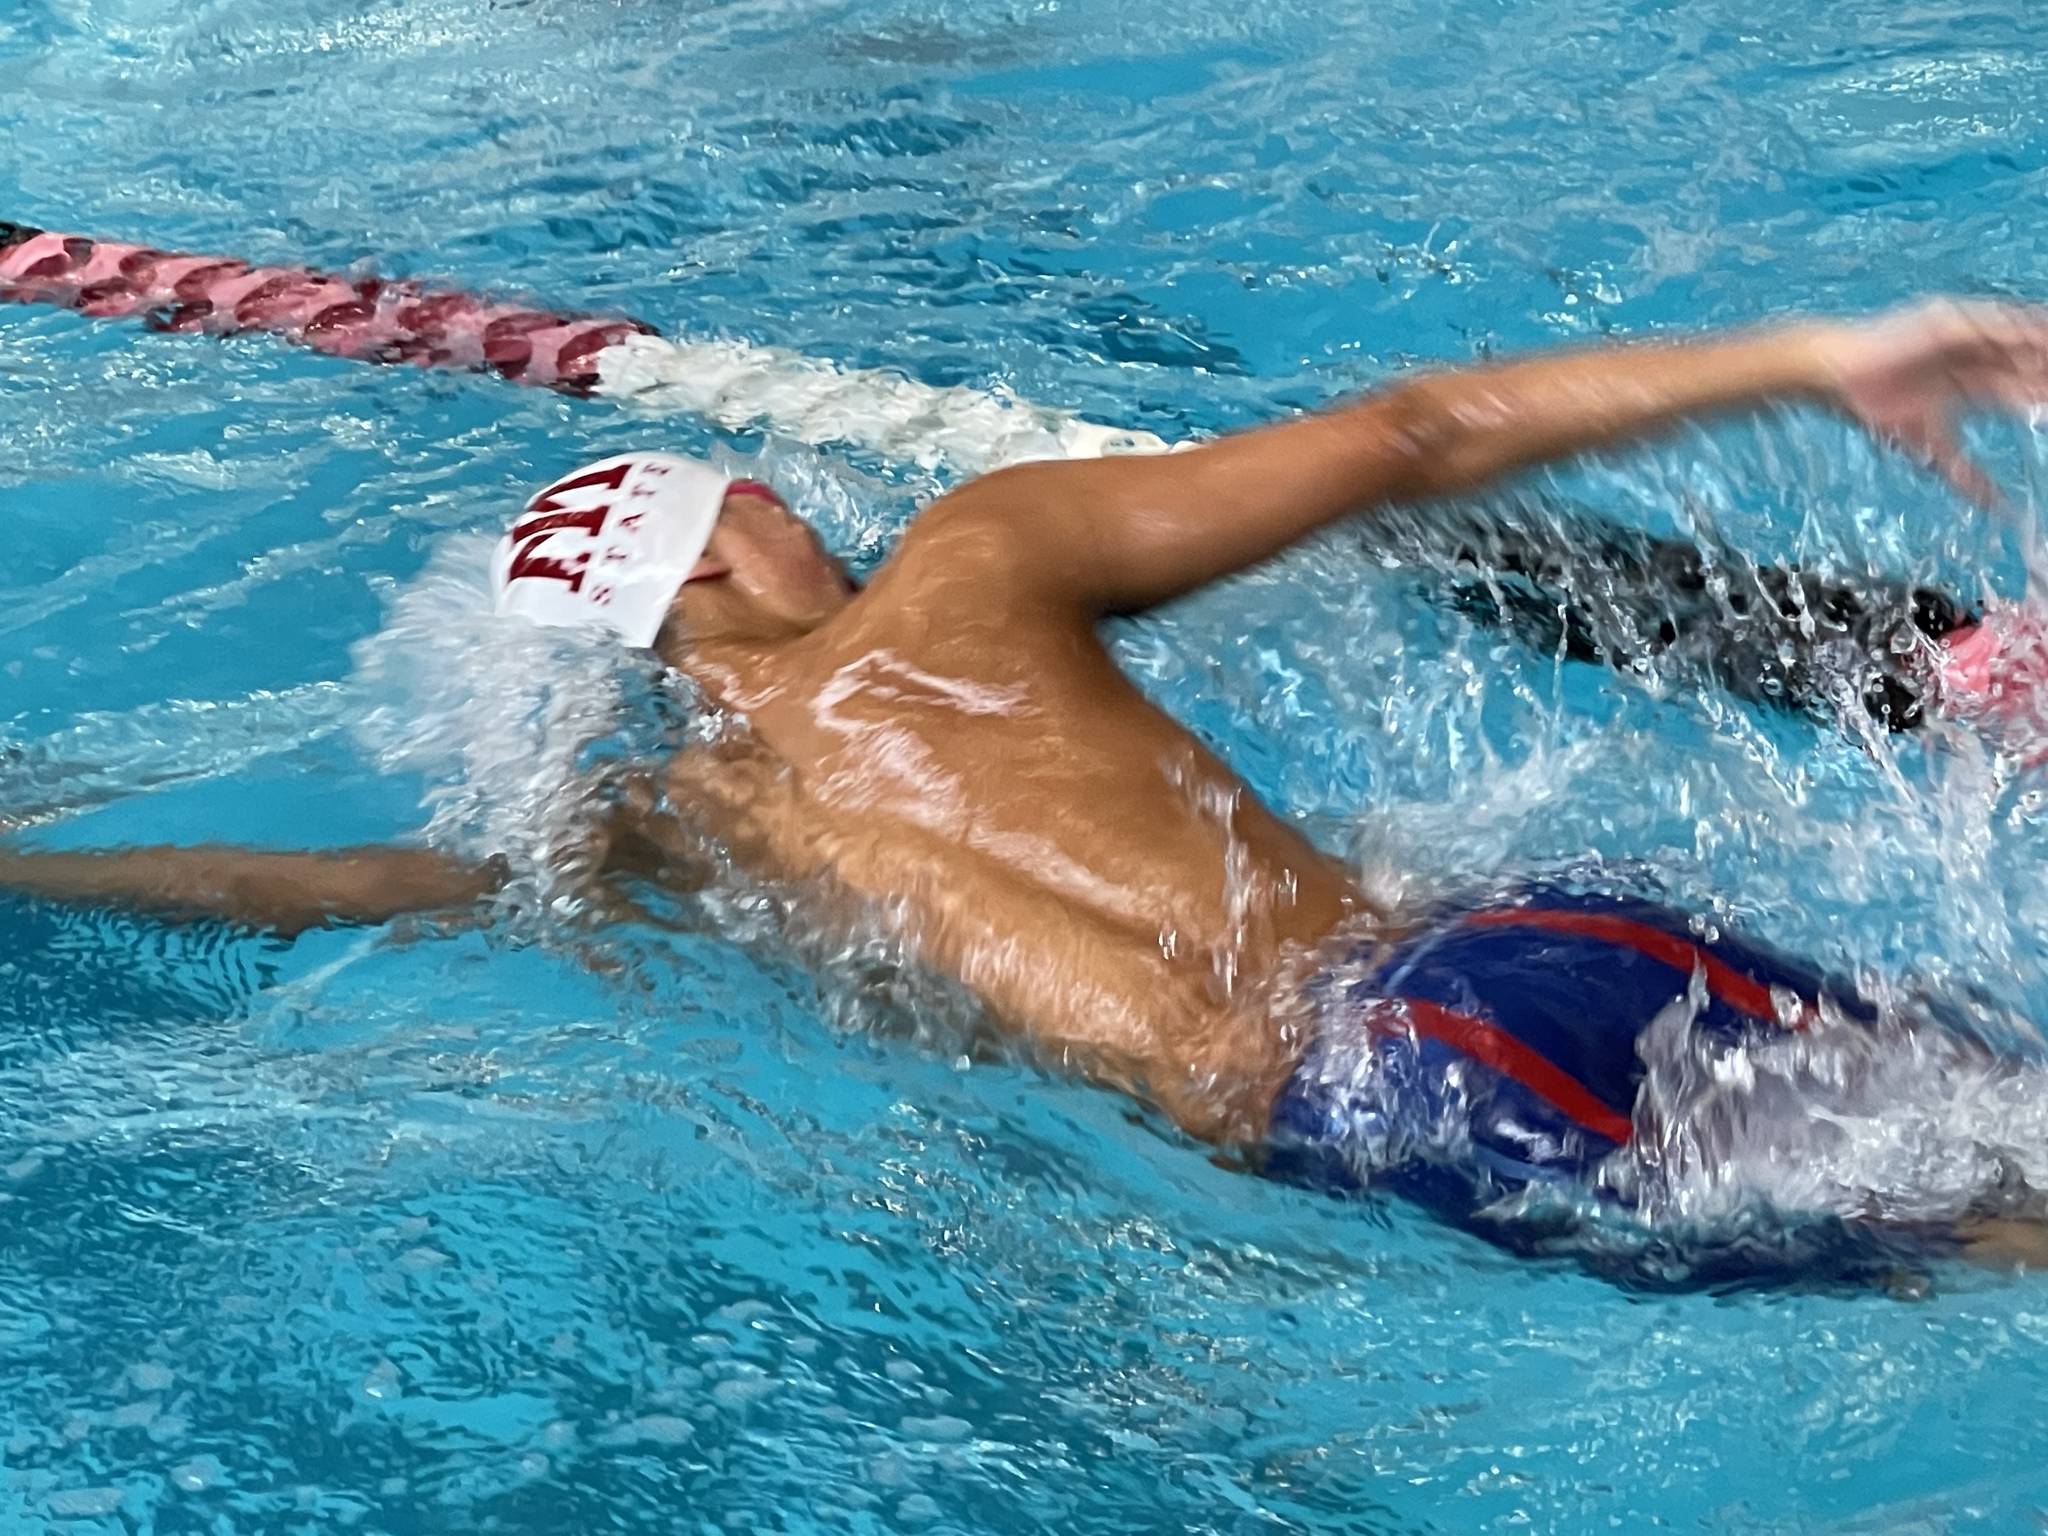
<point>494,712</point>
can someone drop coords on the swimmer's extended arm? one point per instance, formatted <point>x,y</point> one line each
<point>284,893</point>
<point>1125,533</point>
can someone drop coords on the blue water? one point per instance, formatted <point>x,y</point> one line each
<point>413,1232</point>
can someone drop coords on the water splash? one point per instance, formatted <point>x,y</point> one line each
<point>1845,1148</point>
<point>1851,1146</point>
<point>1909,1120</point>
<point>498,715</point>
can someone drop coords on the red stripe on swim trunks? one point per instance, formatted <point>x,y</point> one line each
<point>1743,993</point>
<point>1494,1047</point>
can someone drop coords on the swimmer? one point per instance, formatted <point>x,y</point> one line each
<point>952,750</point>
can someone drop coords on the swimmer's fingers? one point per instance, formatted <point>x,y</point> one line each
<point>1967,476</point>
<point>1981,336</point>
<point>1906,376</point>
<point>1919,421</point>
<point>2004,390</point>
<point>1999,364</point>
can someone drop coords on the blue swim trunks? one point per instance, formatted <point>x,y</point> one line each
<point>1496,1046</point>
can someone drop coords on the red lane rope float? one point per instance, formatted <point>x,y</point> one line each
<point>367,319</point>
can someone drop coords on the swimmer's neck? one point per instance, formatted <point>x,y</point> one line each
<point>717,626</point>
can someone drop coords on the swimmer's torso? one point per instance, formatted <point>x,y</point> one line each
<point>999,792</point>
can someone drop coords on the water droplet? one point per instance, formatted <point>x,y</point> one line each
<point>200,1472</point>
<point>383,1382</point>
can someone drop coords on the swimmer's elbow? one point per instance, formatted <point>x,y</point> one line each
<point>1415,440</point>
<point>391,882</point>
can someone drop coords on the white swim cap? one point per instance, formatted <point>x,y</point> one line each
<point>609,546</point>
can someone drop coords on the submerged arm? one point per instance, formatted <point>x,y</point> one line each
<point>285,893</point>
<point>1125,533</point>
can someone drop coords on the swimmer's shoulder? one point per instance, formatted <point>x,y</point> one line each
<point>974,558</point>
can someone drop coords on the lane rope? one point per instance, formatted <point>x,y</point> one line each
<point>740,386</point>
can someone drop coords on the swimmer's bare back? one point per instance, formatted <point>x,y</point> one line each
<point>955,746</point>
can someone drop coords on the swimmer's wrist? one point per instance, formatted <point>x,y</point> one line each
<point>1811,352</point>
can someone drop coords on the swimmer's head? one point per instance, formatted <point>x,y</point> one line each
<point>649,546</point>
<point>764,574</point>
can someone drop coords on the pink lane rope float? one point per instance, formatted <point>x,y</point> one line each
<point>368,319</point>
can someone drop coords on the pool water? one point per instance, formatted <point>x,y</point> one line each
<point>416,1231</point>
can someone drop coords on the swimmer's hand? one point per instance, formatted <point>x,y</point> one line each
<point>1908,376</point>
<point>282,893</point>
